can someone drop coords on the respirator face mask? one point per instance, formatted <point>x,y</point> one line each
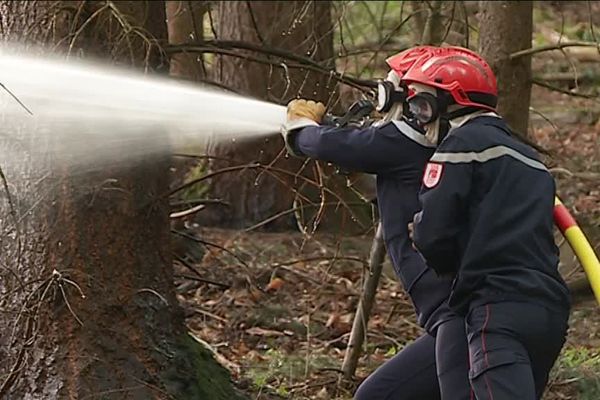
<point>428,108</point>
<point>433,110</point>
<point>424,107</point>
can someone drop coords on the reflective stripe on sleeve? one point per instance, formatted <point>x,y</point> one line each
<point>412,133</point>
<point>486,155</point>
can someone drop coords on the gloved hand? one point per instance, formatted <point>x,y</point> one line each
<point>411,228</point>
<point>300,114</point>
<point>301,108</point>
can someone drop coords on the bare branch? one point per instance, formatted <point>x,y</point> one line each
<point>189,211</point>
<point>226,46</point>
<point>567,92</point>
<point>558,46</point>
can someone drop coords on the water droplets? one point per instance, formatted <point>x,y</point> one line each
<point>95,110</point>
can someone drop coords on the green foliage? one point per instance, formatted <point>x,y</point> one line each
<point>281,370</point>
<point>199,190</point>
<point>580,357</point>
<point>392,351</point>
<point>581,366</point>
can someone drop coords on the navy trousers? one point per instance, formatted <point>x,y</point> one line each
<point>412,373</point>
<point>513,346</point>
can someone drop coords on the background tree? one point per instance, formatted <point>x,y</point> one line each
<point>505,27</point>
<point>185,23</point>
<point>298,27</point>
<point>88,301</point>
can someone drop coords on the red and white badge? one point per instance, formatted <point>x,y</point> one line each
<point>433,174</point>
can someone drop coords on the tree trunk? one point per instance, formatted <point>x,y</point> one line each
<point>300,27</point>
<point>506,27</point>
<point>87,282</point>
<point>438,22</point>
<point>185,25</point>
<point>433,30</point>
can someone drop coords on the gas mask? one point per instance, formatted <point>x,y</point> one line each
<point>436,112</point>
<point>427,108</point>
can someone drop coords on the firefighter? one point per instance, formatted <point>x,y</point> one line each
<point>396,152</point>
<point>486,221</point>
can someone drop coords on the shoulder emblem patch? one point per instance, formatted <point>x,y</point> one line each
<point>433,174</point>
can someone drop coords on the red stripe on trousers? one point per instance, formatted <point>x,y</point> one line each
<point>485,354</point>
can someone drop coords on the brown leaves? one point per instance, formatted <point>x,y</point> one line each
<point>293,325</point>
<point>274,285</point>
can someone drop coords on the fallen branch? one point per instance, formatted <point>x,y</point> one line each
<point>592,176</point>
<point>319,258</point>
<point>199,279</point>
<point>229,365</point>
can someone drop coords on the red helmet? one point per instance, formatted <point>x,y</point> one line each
<point>387,92</point>
<point>461,72</point>
<point>401,62</point>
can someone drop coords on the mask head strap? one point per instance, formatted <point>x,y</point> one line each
<point>388,95</point>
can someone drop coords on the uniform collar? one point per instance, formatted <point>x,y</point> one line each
<point>460,121</point>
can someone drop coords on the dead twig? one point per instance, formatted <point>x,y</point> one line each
<point>228,47</point>
<point>209,244</point>
<point>188,202</point>
<point>199,276</point>
<point>154,292</point>
<point>58,279</point>
<point>319,258</point>
<point>221,359</point>
<point>592,176</point>
<point>203,280</point>
<point>272,170</point>
<point>16,99</point>
<point>563,91</point>
<point>549,47</point>
<point>189,211</point>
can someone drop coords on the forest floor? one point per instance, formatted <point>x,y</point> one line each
<point>289,340</point>
<point>281,316</point>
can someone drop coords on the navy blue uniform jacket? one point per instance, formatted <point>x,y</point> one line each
<point>397,154</point>
<point>486,219</point>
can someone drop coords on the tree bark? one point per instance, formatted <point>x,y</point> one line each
<point>438,22</point>
<point>185,25</point>
<point>297,26</point>
<point>433,29</point>
<point>87,294</point>
<point>506,27</point>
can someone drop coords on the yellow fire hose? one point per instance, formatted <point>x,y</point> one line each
<point>580,245</point>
